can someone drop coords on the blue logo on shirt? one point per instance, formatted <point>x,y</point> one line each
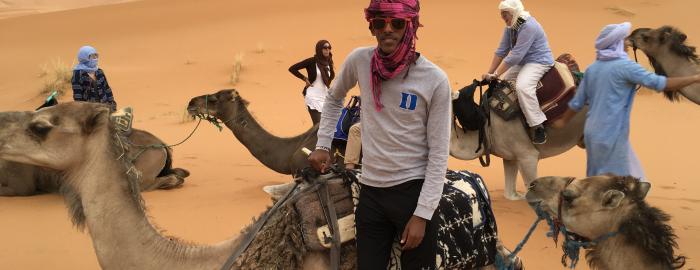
<point>408,101</point>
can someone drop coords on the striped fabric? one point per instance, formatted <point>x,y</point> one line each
<point>87,89</point>
<point>467,232</point>
<point>385,67</point>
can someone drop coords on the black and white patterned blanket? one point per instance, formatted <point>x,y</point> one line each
<point>467,235</point>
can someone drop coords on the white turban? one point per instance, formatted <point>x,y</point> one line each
<point>610,44</point>
<point>516,8</point>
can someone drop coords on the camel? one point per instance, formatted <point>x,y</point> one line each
<point>510,141</point>
<point>17,179</point>
<point>670,56</point>
<point>102,193</point>
<point>627,232</point>
<point>282,155</point>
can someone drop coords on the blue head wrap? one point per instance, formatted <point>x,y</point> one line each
<point>84,61</point>
<point>610,44</point>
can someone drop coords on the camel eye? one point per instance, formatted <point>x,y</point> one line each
<point>568,196</point>
<point>645,38</point>
<point>40,129</point>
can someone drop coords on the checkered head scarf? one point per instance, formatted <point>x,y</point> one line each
<point>385,67</point>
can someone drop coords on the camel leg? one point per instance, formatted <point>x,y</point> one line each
<point>528,169</point>
<point>510,169</point>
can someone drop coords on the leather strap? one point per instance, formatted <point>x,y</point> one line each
<point>332,220</point>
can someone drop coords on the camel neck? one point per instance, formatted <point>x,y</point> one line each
<point>122,236</point>
<point>676,66</point>
<point>617,253</point>
<point>274,152</point>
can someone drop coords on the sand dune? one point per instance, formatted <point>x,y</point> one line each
<point>158,54</point>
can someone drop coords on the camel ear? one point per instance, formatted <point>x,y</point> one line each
<point>278,191</point>
<point>644,188</point>
<point>664,36</point>
<point>95,118</point>
<point>613,198</point>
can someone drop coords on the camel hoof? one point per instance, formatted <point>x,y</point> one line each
<point>515,197</point>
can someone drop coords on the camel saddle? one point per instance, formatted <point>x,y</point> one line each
<point>467,233</point>
<point>554,91</point>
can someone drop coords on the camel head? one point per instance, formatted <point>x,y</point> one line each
<point>56,137</point>
<point>669,55</point>
<point>590,207</point>
<point>657,42</point>
<point>223,104</point>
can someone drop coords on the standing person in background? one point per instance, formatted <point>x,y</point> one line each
<point>405,128</point>
<point>608,89</point>
<point>319,69</point>
<point>89,81</point>
<point>524,56</point>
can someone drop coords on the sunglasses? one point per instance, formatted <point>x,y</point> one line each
<point>380,23</point>
<point>327,47</point>
<point>93,56</point>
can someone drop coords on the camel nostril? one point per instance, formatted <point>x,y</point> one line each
<point>532,186</point>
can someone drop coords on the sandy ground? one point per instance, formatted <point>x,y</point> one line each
<point>158,54</point>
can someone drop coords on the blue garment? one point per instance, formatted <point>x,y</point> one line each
<point>608,88</point>
<point>531,45</point>
<point>87,89</point>
<point>610,43</point>
<point>84,61</point>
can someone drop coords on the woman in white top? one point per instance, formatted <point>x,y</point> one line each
<point>316,86</point>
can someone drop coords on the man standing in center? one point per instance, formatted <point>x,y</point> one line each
<point>405,138</point>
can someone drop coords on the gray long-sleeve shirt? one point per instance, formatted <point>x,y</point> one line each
<point>409,138</point>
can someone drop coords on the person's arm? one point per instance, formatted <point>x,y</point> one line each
<point>677,83</point>
<point>501,52</point>
<point>346,80</point>
<point>294,69</point>
<point>438,133</point>
<point>636,74</point>
<point>77,86</point>
<point>108,91</point>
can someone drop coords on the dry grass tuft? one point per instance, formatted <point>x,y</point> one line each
<point>237,67</point>
<point>260,49</point>
<point>57,77</point>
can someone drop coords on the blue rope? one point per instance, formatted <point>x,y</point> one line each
<point>501,262</point>
<point>572,247</point>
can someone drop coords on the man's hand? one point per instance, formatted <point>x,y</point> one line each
<point>489,77</point>
<point>319,160</point>
<point>413,233</point>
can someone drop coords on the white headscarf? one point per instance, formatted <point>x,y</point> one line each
<point>610,44</point>
<point>516,8</point>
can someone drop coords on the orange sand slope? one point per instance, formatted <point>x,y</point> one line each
<point>14,8</point>
<point>158,54</point>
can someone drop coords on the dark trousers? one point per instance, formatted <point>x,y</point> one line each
<point>315,115</point>
<point>382,214</point>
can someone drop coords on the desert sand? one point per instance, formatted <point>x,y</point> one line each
<point>157,54</point>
